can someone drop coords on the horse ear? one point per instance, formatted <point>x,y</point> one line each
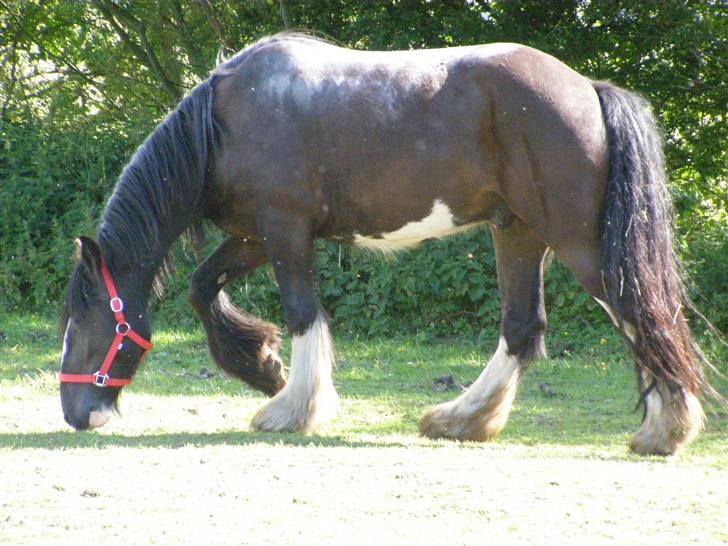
<point>89,253</point>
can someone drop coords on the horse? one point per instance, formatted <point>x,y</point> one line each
<point>295,138</point>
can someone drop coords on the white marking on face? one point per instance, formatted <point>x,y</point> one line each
<point>438,224</point>
<point>66,335</point>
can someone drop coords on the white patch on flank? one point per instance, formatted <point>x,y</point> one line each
<point>482,411</point>
<point>439,223</point>
<point>309,398</point>
<point>99,418</point>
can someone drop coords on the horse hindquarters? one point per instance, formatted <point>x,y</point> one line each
<point>309,399</point>
<point>482,411</point>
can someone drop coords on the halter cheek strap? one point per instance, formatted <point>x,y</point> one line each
<point>123,330</point>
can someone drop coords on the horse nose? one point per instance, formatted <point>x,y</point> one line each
<point>78,423</point>
<point>99,417</point>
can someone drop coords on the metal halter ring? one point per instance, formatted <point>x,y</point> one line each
<point>117,305</point>
<point>122,328</point>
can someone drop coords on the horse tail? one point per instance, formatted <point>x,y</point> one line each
<point>640,271</point>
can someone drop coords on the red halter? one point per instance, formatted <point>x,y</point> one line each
<point>101,378</point>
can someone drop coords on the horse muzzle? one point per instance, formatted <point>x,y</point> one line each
<point>96,418</point>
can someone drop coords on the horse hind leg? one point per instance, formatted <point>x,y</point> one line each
<point>482,411</point>
<point>673,415</point>
<point>240,344</point>
<point>309,399</point>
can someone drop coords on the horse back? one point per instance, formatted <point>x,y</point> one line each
<point>343,134</point>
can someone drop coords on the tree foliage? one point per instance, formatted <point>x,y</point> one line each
<point>82,83</point>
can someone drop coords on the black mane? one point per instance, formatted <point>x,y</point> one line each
<point>157,193</point>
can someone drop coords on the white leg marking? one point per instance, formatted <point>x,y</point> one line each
<point>309,398</point>
<point>482,411</point>
<point>439,223</point>
<point>671,422</point>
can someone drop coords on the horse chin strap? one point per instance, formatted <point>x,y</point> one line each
<point>123,330</point>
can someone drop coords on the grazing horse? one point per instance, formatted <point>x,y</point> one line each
<point>295,139</point>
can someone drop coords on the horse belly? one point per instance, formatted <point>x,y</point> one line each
<point>439,223</point>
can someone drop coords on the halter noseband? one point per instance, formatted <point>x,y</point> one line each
<point>101,378</point>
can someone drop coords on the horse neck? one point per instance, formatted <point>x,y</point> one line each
<point>136,242</point>
<point>157,195</point>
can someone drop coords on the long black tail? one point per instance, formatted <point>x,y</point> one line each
<point>641,273</point>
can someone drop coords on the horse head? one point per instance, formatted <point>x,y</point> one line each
<point>106,328</point>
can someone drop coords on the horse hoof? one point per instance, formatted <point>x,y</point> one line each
<point>436,424</point>
<point>644,443</point>
<point>287,413</point>
<point>444,422</point>
<point>670,424</point>
<point>273,378</point>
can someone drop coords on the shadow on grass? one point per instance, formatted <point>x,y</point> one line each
<point>62,440</point>
<point>174,440</point>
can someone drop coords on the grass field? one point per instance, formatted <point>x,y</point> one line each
<point>181,466</point>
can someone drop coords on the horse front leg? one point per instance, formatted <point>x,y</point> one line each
<point>240,344</point>
<point>482,411</point>
<point>309,399</point>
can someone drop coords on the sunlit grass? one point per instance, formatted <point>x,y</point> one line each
<point>586,400</point>
<point>181,457</point>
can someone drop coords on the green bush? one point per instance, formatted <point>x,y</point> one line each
<point>65,136</point>
<point>442,289</point>
<point>445,288</point>
<point>54,185</point>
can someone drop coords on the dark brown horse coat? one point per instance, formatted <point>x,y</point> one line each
<point>374,139</point>
<point>295,139</point>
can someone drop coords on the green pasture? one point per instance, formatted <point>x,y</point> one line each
<point>180,464</point>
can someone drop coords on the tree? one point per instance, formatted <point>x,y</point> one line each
<point>88,80</point>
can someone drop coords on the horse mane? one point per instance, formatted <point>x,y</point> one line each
<point>162,183</point>
<point>159,189</point>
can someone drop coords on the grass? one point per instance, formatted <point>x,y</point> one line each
<point>184,462</point>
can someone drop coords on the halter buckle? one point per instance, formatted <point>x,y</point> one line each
<point>100,380</point>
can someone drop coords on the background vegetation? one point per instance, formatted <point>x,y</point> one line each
<point>82,84</point>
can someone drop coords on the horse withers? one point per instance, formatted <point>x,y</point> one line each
<point>295,139</point>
